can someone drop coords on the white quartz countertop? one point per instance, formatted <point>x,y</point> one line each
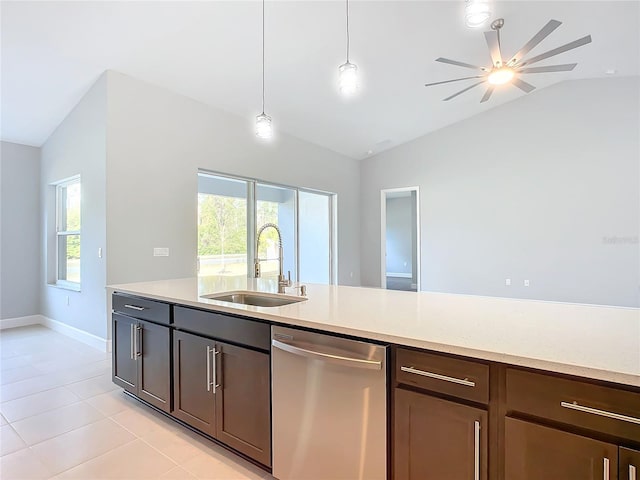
<point>592,341</point>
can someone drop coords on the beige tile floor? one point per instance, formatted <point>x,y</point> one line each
<point>62,417</point>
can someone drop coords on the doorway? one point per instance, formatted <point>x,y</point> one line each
<point>400,239</point>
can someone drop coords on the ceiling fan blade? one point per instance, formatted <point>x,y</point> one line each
<point>564,48</point>
<point>454,80</point>
<point>522,85</point>
<point>550,68</point>
<point>537,38</point>
<point>487,94</point>
<point>459,64</point>
<point>462,91</point>
<point>493,42</point>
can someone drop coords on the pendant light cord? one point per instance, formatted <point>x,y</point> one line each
<point>347,31</point>
<point>263,57</point>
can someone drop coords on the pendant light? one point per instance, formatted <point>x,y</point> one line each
<point>348,72</point>
<point>476,13</point>
<point>264,129</point>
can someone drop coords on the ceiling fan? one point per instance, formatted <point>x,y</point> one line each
<point>502,72</point>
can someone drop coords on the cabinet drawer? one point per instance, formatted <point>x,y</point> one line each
<point>142,308</point>
<point>451,376</point>
<point>595,407</point>
<point>223,327</point>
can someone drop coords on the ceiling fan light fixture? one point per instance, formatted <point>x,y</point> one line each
<point>348,78</point>
<point>264,129</point>
<point>500,76</point>
<point>476,13</point>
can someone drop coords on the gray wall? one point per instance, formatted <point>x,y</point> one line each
<point>399,235</point>
<point>78,146</point>
<point>157,141</point>
<point>544,188</point>
<point>20,252</point>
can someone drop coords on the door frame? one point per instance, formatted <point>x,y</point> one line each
<point>383,233</point>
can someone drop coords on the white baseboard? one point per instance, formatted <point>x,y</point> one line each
<point>77,334</point>
<point>399,275</point>
<point>67,330</point>
<point>20,321</point>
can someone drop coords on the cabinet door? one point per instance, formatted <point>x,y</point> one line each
<point>154,375</point>
<point>629,464</point>
<point>193,390</point>
<point>435,439</point>
<point>534,452</point>
<point>124,365</point>
<point>243,404</point>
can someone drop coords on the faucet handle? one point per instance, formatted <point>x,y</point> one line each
<point>303,290</point>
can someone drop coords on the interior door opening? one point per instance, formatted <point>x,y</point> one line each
<point>400,239</point>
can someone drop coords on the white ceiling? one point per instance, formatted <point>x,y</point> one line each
<point>52,52</point>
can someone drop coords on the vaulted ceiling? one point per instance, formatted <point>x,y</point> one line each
<point>52,52</point>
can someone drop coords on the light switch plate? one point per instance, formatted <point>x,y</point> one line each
<point>160,252</point>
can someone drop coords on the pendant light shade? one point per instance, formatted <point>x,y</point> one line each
<point>348,72</point>
<point>348,78</point>
<point>264,128</point>
<point>476,13</point>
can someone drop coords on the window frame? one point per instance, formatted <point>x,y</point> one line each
<point>60,215</point>
<point>252,184</point>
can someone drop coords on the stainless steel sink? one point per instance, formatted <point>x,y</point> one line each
<point>256,299</point>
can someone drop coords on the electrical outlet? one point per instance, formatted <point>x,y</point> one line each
<point>507,282</point>
<point>160,252</point>
<point>526,283</point>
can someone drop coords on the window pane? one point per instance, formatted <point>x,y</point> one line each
<point>276,205</point>
<point>315,237</point>
<point>222,226</point>
<point>69,258</point>
<point>70,214</point>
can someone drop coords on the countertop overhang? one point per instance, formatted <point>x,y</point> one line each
<point>592,341</point>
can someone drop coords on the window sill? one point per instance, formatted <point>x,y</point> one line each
<point>65,286</point>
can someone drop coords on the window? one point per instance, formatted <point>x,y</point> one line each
<point>68,226</point>
<point>231,212</point>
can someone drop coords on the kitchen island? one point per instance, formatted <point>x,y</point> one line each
<point>477,387</point>
<point>598,342</point>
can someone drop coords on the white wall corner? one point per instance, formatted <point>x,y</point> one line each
<point>85,337</point>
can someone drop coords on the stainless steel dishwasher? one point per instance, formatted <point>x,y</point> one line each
<point>329,398</point>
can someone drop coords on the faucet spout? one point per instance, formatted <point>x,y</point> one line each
<point>282,282</point>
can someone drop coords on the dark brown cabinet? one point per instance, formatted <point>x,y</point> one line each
<point>243,402</point>
<point>534,452</point>
<point>224,391</point>
<point>437,439</point>
<point>629,464</point>
<point>141,359</point>
<point>193,393</point>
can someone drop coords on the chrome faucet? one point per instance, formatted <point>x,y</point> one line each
<point>282,282</point>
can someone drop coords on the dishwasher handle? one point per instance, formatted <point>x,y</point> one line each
<point>327,357</point>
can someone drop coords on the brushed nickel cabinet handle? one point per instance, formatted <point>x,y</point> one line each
<point>215,370</point>
<point>602,413</point>
<point>132,350</point>
<point>138,340</point>
<point>208,368</point>
<point>476,450</point>
<point>605,475</point>
<point>437,376</point>
<point>134,307</point>
<point>632,472</point>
